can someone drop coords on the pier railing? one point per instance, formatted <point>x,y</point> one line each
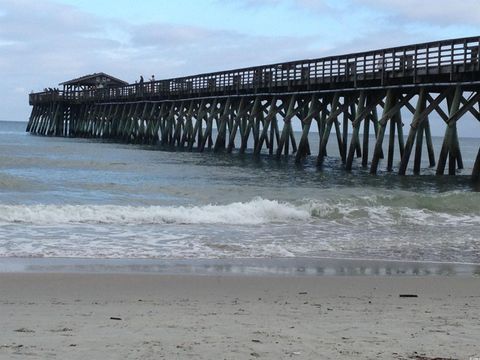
<point>405,64</point>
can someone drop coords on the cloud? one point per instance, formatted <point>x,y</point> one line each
<point>444,12</point>
<point>172,36</point>
<point>44,43</point>
<point>251,4</point>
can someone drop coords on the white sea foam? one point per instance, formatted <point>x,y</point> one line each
<point>352,227</point>
<point>257,211</point>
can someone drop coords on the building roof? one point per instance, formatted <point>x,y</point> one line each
<point>95,79</point>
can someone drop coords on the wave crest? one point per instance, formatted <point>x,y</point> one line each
<point>403,209</point>
<point>257,211</point>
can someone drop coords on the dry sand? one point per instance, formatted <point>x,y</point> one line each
<point>133,316</point>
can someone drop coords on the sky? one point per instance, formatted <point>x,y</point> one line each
<point>43,43</point>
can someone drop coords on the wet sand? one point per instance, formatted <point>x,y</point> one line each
<point>155,316</point>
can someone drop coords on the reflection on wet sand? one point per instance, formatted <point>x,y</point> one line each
<point>279,267</point>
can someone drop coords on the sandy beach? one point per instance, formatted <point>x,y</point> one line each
<point>147,316</point>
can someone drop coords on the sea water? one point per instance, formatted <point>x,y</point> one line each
<point>65,197</point>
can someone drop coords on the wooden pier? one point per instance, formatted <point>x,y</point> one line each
<point>355,95</point>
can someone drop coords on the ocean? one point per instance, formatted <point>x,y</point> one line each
<point>81,198</point>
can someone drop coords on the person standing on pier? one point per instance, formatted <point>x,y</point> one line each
<point>141,85</point>
<point>152,84</point>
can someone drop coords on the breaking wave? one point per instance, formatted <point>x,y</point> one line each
<point>449,208</point>
<point>257,211</point>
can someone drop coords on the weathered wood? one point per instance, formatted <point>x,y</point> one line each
<point>428,140</point>
<point>419,116</point>
<point>209,126</point>
<point>249,124</point>
<point>186,122</point>
<point>272,112</point>
<point>454,151</point>
<point>476,169</point>
<point>418,149</point>
<point>335,109</point>
<point>376,125</point>
<point>242,109</point>
<point>303,148</point>
<point>344,135</point>
<point>454,105</point>
<point>338,134</point>
<point>222,130</point>
<point>391,143</point>
<point>197,129</point>
<point>390,103</point>
<point>356,128</point>
<point>283,143</point>
<point>366,138</point>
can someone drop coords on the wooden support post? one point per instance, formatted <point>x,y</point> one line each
<point>453,150</point>
<point>356,128</point>
<point>268,125</point>
<point>418,150</point>
<point>306,122</point>
<point>416,122</point>
<point>32,115</point>
<point>154,124</point>
<point>273,132</point>
<point>158,121</point>
<point>33,120</point>
<point>167,125</point>
<point>114,133</point>
<point>456,146</point>
<point>142,128</point>
<point>391,143</point>
<point>222,130</point>
<point>242,108</point>
<point>376,126</point>
<point>390,101</point>
<point>249,123</point>
<point>476,169</point>
<point>401,140</point>
<point>335,110</point>
<point>257,121</point>
<point>131,124</point>
<point>428,140</point>
<point>321,119</point>
<point>339,138</point>
<point>208,130</point>
<point>286,127</point>
<point>345,132</point>
<point>366,138</point>
<point>197,128</point>
<point>454,105</point>
<point>303,147</point>
<point>178,125</point>
<point>292,138</point>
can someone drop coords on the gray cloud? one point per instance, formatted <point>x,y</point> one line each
<point>443,12</point>
<point>44,43</point>
<point>436,12</point>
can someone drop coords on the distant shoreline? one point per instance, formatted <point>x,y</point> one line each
<point>240,267</point>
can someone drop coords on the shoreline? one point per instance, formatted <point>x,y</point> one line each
<point>240,267</point>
